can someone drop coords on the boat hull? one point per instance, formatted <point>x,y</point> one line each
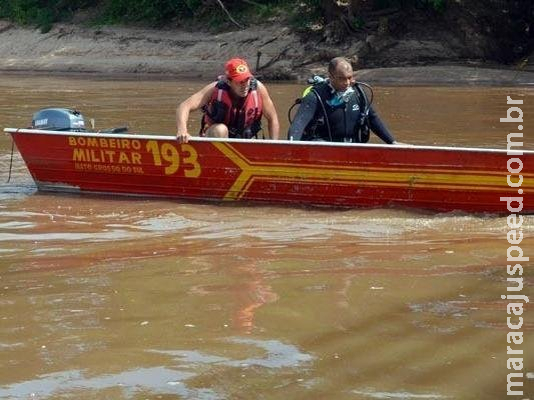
<point>339,175</point>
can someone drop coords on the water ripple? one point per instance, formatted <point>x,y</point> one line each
<point>277,355</point>
<point>158,380</point>
<point>398,395</point>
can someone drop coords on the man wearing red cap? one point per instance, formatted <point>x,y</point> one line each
<point>233,106</point>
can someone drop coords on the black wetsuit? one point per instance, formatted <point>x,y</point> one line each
<point>342,119</point>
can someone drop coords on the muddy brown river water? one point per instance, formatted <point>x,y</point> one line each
<point>119,298</point>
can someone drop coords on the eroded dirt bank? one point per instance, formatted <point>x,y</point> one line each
<point>272,50</point>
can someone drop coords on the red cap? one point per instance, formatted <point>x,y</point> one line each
<point>237,69</point>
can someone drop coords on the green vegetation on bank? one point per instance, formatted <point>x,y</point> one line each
<point>43,13</point>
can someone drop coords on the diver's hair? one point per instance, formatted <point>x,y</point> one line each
<point>336,62</point>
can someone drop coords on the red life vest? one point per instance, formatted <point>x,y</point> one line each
<point>242,120</point>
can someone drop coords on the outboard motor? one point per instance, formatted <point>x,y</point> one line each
<point>58,119</point>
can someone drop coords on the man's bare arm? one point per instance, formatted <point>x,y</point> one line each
<point>192,103</point>
<point>269,111</point>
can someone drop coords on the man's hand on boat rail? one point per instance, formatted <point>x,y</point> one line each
<point>183,137</point>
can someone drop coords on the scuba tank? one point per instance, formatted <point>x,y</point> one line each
<point>361,132</point>
<point>314,80</point>
<point>321,120</point>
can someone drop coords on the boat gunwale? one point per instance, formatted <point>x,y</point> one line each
<point>269,141</point>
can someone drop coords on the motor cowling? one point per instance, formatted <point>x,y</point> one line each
<point>58,119</point>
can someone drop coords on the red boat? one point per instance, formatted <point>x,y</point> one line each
<point>325,174</point>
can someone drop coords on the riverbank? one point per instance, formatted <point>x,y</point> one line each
<point>273,51</point>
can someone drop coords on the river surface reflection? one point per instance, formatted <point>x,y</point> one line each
<point>118,298</point>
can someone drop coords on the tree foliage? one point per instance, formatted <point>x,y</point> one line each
<point>159,12</point>
<point>42,13</point>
